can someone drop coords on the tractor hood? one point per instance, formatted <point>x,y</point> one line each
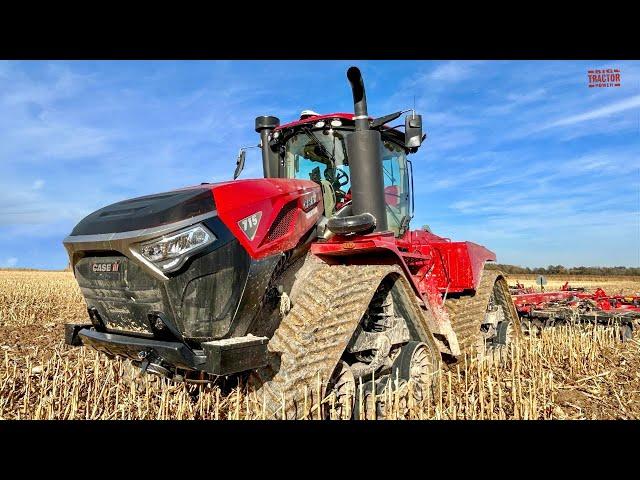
<point>266,216</point>
<point>148,212</point>
<point>216,288</point>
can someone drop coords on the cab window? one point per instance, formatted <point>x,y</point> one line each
<point>320,156</point>
<point>396,186</point>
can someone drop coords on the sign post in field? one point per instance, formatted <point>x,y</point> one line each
<point>542,281</point>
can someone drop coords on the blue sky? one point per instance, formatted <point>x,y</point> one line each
<point>521,156</point>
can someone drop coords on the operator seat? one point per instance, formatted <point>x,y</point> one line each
<point>328,193</point>
<point>329,198</point>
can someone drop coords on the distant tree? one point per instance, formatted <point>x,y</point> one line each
<point>562,270</point>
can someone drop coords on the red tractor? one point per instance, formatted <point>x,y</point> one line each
<point>309,276</point>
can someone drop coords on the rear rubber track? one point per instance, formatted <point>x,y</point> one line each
<point>467,313</point>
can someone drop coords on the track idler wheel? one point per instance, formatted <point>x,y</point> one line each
<point>416,366</point>
<point>410,384</point>
<point>341,394</point>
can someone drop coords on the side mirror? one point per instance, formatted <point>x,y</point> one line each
<point>240,163</point>
<point>412,130</point>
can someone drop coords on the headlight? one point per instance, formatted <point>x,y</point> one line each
<point>171,251</point>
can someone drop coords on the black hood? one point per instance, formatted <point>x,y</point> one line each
<point>147,212</point>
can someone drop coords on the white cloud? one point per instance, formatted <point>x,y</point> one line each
<point>516,100</point>
<point>603,112</point>
<point>463,205</point>
<point>462,177</point>
<point>20,205</point>
<point>453,71</point>
<point>36,127</point>
<point>124,142</point>
<point>442,140</point>
<point>526,97</point>
<point>60,83</point>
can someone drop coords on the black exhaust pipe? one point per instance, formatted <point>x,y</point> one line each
<point>365,161</point>
<point>264,126</point>
<point>359,99</point>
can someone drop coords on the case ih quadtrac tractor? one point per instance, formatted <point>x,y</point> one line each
<point>310,275</point>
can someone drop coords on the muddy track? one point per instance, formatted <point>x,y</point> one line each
<point>467,312</point>
<point>312,337</point>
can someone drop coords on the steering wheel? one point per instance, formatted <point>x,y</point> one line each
<point>341,174</point>
<point>338,179</point>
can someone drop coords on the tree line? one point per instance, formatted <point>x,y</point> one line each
<point>562,270</point>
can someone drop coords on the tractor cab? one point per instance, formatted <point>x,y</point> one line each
<point>314,148</point>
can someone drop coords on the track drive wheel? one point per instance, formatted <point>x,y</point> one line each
<point>410,383</point>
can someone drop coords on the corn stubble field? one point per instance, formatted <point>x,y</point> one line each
<point>566,373</point>
<point>612,285</point>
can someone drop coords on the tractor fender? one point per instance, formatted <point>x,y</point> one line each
<point>381,249</point>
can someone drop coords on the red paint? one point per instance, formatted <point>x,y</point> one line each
<point>239,199</point>
<point>433,265</point>
<point>452,267</point>
<point>340,116</point>
<point>526,302</point>
<point>391,195</point>
<point>347,119</point>
<point>347,199</point>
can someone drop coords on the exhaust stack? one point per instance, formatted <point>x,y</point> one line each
<point>264,126</point>
<point>365,162</point>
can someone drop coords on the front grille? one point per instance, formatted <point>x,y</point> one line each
<point>123,296</point>
<point>200,300</point>
<point>282,222</point>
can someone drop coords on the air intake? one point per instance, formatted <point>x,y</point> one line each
<point>283,222</point>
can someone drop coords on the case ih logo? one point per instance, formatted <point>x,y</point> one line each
<point>105,267</point>
<point>309,202</point>
<point>609,77</point>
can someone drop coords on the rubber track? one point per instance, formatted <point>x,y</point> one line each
<point>312,337</point>
<point>467,312</point>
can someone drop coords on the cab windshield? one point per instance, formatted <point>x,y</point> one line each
<point>321,156</point>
